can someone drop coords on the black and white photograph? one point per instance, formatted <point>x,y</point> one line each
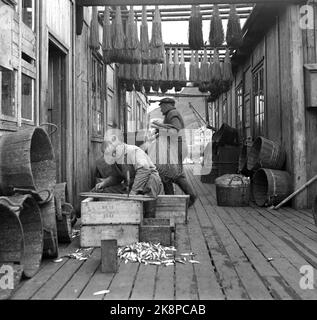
<point>157,156</point>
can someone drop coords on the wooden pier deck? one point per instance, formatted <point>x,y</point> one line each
<point>244,253</point>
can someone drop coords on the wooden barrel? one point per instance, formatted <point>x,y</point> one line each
<point>11,246</point>
<point>30,218</point>
<point>315,211</point>
<point>270,187</point>
<point>266,154</point>
<point>27,161</point>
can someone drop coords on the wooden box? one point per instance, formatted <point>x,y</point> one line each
<point>120,218</point>
<point>157,231</point>
<point>173,207</point>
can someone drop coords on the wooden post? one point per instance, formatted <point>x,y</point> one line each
<point>43,60</point>
<point>298,106</point>
<point>109,259</point>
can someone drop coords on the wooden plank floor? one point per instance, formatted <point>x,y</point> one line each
<point>244,253</point>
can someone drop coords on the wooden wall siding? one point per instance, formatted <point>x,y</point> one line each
<point>273,84</point>
<point>283,62</point>
<point>285,89</point>
<point>82,134</point>
<point>297,106</point>
<point>310,56</point>
<point>59,16</point>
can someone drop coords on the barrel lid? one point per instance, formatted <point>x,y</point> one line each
<point>234,180</point>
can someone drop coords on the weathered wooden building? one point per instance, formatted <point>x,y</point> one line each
<point>49,74</point>
<point>272,94</point>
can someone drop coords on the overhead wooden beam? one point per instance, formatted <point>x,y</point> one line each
<point>176,2</point>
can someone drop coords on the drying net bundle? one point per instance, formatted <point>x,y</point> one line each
<point>204,73</point>
<point>163,82</point>
<point>144,38</point>
<point>157,45</point>
<point>216,34</point>
<point>234,33</point>
<point>133,51</point>
<point>227,76</point>
<point>195,32</point>
<point>118,38</point>
<point>192,68</point>
<point>182,70</point>
<point>215,86</point>
<point>107,37</point>
<point>156,77</point>
<point>147,76</point>
<point>136,71</point>
<point>94,30</point>
<point>176,70</point>
<point>170,70</point>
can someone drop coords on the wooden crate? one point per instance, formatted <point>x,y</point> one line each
<point>173,207</point>
<point>108,211</point>
<point>157,231</point>
<point>100,217</point>
<point>125,234</point>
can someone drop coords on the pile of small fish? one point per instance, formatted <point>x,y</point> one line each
<point>81,254</point>
<point>153,254</point>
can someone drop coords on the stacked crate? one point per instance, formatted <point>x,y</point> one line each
<point>109,218</point>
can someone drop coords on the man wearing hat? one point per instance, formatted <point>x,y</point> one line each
<point>172,171</point>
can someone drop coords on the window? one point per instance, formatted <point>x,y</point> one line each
<point>259,102</point>
<point>97,98</point>
<point>27,98</point>
<point>8,98</point>
<point>28,13</point>
<point>239,110</point>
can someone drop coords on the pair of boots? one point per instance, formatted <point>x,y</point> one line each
<point>181,181</point>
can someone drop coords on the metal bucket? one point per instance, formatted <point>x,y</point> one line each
<point>266,154</point>
<point>27,161</point>
<point>270,187</point>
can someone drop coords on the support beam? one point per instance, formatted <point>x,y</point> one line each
<point>298,107</point>
<point>176,2</point>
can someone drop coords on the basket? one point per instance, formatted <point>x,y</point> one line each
<point>233,191</point>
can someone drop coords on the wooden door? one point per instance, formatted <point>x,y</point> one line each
<point>57,108</point>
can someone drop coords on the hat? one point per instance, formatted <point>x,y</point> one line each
<point>167,100</point>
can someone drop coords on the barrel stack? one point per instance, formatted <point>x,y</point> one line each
<point>28,227</point>
<point>270,183</point>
